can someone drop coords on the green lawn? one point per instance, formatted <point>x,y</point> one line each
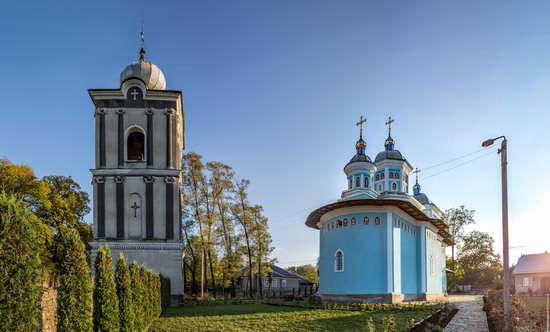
<point>263,317</point>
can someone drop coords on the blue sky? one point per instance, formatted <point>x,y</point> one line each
<point>274,88</point>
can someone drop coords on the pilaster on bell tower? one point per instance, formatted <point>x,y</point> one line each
<point>137,179</point>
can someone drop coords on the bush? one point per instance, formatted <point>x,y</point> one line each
<point>74,295</point>
<point>106,316</point>
<point>137,296</point>
<point>520,317</point>
<point>166,292</point>
<point>20,274</point>
<point>124,294</point>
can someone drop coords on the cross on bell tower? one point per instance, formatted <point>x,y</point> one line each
<point>416,188</point>
<point>389,143</point>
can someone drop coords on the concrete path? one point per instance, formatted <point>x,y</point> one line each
<point>470,316</point>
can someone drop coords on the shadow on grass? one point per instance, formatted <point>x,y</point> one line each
<point>225,310</point>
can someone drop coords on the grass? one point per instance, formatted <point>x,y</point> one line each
<point>263,317</point>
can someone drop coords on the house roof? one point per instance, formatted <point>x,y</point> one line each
<point>283,273</point>
<point>535,263</point>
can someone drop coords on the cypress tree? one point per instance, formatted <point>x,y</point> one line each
<point>124,293</point>
<point>20,274</point>
<point>74,296</point>
<point>137,296</point>
<point>106,316</point>
<point>144,278</point>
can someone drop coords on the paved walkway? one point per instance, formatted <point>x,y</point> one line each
<point>470,316</point>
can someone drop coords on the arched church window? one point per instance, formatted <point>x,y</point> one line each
<point>366,182</point>
<point>353,221</point>
<point>382,176</point>
<point>394,186</point>
<point>349,183</point>
<point>391,175</point>
<point>377,177</point>
<point>357,181</point>
<point>339,261</point>
<point>377,220</point>
<point>136,145</point>
<point>432,266</point>
<point>379,188</point>
<point>339,224</point>
<point>366,221</point>
<point>345,222</point>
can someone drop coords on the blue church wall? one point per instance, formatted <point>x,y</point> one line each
<point>365,255</point>
<point>433,249</point>
<point>409,255</point>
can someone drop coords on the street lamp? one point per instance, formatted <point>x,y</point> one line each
<point>503,164</point>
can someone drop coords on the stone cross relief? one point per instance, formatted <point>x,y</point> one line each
<point>134,93</point>
<point>135,207</point>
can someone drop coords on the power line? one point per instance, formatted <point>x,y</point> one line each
<point>298,212</point>
<point>451,160</point>
<point>459,165</point>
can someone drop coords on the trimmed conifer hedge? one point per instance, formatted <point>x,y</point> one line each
<point>106,316</point>
<point>124,293</point>
<point>165,290</point>
<point>20,273</point>
<point>74,295</point>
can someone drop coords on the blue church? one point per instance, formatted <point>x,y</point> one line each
<point>378,243</point>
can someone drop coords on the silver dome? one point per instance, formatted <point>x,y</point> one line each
<point>146,71</point>
<point>391,154</point>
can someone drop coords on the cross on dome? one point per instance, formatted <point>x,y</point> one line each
<point>360,124</point>
<point>390,121</point>
<point>389,143</point>
<point>416,187</point>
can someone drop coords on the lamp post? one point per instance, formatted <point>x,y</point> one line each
<point>504,162</point>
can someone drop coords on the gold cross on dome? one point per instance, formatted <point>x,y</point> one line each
<point>390,121</point>
<point>416,172</point>
<point>360,124</point>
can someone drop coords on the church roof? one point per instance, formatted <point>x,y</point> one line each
<point>405,205</point>
<point>360,157</point>
<point>535,263</point>
<point>389,154</point>
<point>146,71</point>
<point>423,199</point>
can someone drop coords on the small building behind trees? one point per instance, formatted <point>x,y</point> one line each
<point>281,282</point>
<point>532,274</point>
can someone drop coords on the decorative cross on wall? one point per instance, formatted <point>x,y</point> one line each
<point>360,124</point>
<point>135,207</point>
<point>134,93</point>
<point>390,121</point>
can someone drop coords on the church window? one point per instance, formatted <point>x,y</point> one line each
<point>366,220</point>
<point>366,182</point>
<point>377,177</point>
<point>136,145</point>
<point>339,224</point>
<point>345,222</point>
<point>379,188</point>
<point>339,261</point>
<point>394,186</point>
<point>382,176</point>
<point>357,181</point>
<point>377,220</point>
<point>391,175</point>
<point>353,221</point>
<point>349,183</point>
<point>432,266</point>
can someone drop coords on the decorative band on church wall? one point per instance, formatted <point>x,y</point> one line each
<point>100,207</point>
<point>119,207</point>
<point>149,137</point>
<point>102,153</point>
<point>149,216</point>
<point>169,208</point>
<point>120,137</point>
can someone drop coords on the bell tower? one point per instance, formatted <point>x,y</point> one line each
<point>137,179</point>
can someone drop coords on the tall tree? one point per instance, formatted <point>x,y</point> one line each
<point>124,294</point>
<point>478,264</point>
<point>241,211</point>
<point>457,219</point>
<point>106,317</point>
<point>74,295</point>
<point>261,241</point>
<point>20,274</point>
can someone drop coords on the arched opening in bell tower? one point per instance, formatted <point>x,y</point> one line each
<point>135,145</point>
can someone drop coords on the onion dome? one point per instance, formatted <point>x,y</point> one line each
<point>389,143</point>
<point>389,154</point>
<point>146,71</point>
<point>416,189</point>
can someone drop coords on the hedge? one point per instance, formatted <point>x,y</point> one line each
<point>124,294</point>
<point>106,317</point>
<point>20,273</point>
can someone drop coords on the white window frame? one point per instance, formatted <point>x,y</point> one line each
<point>274,283</point>
<point>527,281</point>
<point>283,283</point>
<point>336,261</point>
<point>266,283</point>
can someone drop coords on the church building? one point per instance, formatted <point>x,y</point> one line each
<point>379,243</point>
<point>137,179</point>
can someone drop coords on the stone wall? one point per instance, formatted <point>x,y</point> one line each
<point>48,305</point>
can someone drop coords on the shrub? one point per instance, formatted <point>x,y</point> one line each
<point>124,294</point>
<point>20,274</point>
<point>166,292</point>
<point>74,295</point>
<point>106,317</point>
<point>137,296</point>
<point>388,323</point>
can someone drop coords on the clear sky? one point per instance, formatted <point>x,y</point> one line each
<point>274,88</point>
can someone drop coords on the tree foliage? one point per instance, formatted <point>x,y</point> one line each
<point>457,219</point>
<point>307,271</point>
<point>221,227</point>
<point>74,295</point>
<point>106,315</point>
<point>58,202</point>
<point>124,293</point>
<point>20,274</point>
<point>478,264</point>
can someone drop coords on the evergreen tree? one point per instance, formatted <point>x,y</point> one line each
<point>20,275</point>
<point>137,296</point>
<point>106,317</point>
<point>74,295</point>
<point>124,293</point>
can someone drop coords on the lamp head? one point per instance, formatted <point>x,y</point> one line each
<point>487,143</point>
